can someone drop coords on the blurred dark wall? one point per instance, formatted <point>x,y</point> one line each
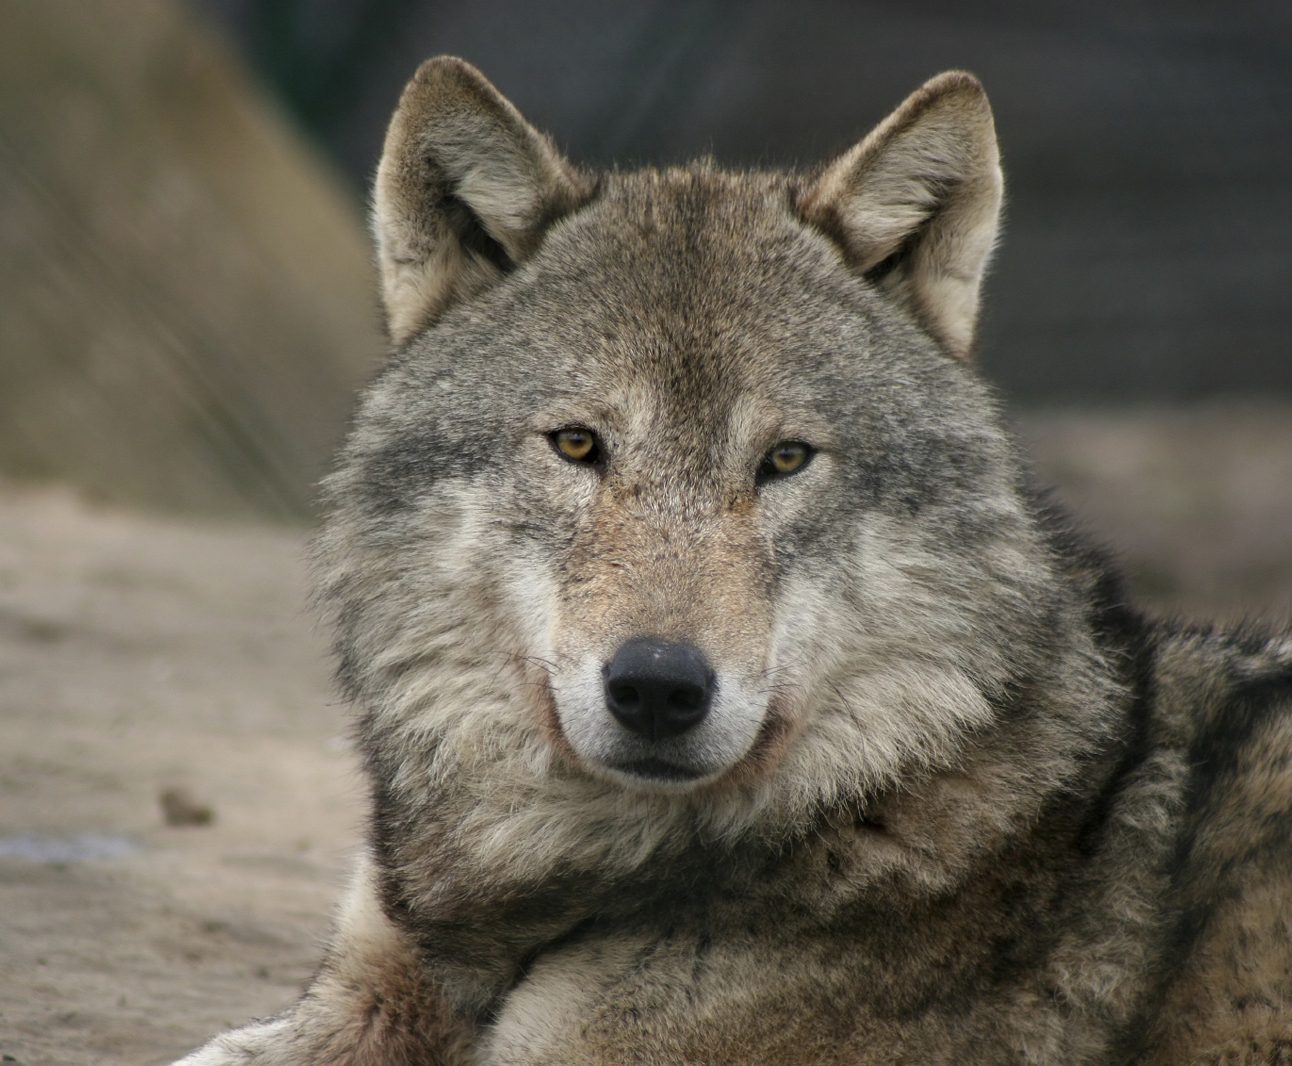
<point>1148,147</point>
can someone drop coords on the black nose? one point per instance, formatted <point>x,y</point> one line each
<point>658,689</point>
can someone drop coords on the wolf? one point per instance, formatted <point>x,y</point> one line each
<point>727,692</point>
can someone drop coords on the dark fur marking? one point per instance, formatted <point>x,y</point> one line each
<point>531,957</point>
<point>1216,751</point>
<point>399,474</point>
<point>1125,631</point>
<point>703,945</point>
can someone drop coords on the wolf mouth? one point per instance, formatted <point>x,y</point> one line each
<point>658,770</point>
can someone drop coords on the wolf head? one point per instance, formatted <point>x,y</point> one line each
<point>679,492</point>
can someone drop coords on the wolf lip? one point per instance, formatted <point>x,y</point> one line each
<point>658,769</point>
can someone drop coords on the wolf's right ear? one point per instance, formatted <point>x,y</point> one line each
<point>915,205</point>
<point>465,190</point>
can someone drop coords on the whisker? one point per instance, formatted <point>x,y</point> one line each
<point>766,672</point>
<point>847,706</point>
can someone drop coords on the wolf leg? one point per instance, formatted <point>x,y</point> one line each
<point>370,1004</point>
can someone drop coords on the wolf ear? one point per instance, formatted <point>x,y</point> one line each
<point>915,205</point>
<point>465,190</point>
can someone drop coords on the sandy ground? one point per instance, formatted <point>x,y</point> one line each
<point>140,654</point>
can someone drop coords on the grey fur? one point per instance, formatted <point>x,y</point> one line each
<point>957,803</point>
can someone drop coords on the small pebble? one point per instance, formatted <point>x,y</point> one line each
<point>179,807</point>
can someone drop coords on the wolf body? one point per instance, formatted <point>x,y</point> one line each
<point>903,779</point>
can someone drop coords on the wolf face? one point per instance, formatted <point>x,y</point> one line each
<point>684,470</point>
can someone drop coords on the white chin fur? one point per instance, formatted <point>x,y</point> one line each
<point>674,765</point>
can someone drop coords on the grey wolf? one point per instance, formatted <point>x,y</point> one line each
<point>727,693</point>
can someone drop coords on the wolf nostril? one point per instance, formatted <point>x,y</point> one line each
<point>625,695</point>
<point>658,689</point>
<point>686,699</point>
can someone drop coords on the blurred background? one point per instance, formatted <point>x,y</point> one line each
<point>187,308</point>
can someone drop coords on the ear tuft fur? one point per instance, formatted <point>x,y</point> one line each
<point>465,191</point>
<point>915,206</point>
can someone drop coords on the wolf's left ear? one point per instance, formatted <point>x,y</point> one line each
<point>915,205</point>
<point>465,191</point>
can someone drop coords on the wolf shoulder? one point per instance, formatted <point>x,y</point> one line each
<point>1225,699</point>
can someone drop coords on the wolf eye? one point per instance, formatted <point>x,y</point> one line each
<point>785,458</point>
<point>576,444</point>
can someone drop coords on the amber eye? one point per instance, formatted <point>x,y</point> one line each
<point>785,458</point>
<point>576,444</point>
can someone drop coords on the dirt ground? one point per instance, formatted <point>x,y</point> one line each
<point>141,654</point>
<point>137,655</point>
